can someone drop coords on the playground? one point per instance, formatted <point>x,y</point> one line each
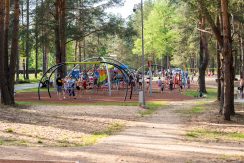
<point>91,96</point>
<point>97,80</point>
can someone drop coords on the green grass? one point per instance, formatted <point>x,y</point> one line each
<point>211,93</point>
<point>192,111</point>
<point>92,139</point>
<point>215,135</point>
<point>197,109</point>
<point>13,142</point>
<point>35,90</point>
<point>32,79</point>
<point>85,140</point>
<point>151,107</point>
<point>46,103</point>
<point>112,129</point>
<point>231,157</point>
<point>9,130</point>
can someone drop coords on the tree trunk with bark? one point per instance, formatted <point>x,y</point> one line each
<point>225,44</point>
<point>6,35</point>
<point>27,46</point>
<point>63,34</point>
<point>5,94</point>
<point>37,47</point>
<point>60,35</point>
<point>218,64</point>
<point>2,14</point>
<point>228,62</point>
<point>204,57</point>
<point>14,49</point>
<point>7,84</point>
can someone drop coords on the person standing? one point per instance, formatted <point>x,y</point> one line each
<point>171,82</point>
<point>59,84</point>
<point>159,82</point>
<point>71,83</point>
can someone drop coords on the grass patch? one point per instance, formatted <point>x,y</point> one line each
<point>92,139</point>
<point>192,111</point>
<point>211,93</point>
<point>196,110</point>
<point>31,79</point>
<point>112,128</point>
<point>48,103</point>
<point>9,130</point>
<point>39,142</point>
<point>12,142</point>
<point>231,157</point>
<point>35,90</point>
<point>215,135</point>
<point>151,107</point>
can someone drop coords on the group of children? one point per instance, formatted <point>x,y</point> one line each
<point>68,85</point>
<point>182,80</point>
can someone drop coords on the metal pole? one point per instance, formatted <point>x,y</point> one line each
<point>143,58</point>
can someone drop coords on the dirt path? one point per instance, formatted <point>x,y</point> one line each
<point>157,138</point>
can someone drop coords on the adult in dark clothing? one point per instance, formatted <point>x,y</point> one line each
<point>59,84</point>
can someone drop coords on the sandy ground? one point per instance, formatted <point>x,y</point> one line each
<point>157,138</point>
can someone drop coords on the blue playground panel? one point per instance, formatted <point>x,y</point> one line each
<point>75,74</point>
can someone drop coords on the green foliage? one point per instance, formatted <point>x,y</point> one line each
<point>159,33</point>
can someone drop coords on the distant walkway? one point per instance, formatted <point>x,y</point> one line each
<point>25,86</point>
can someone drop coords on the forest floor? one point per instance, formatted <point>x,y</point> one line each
<point>173,131</point>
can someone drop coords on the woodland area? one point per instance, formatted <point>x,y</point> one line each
<point>195,34</point>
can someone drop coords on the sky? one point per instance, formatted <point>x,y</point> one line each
<point>125,10</point>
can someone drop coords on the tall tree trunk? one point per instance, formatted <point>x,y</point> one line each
<point>76,47</point>
<point>204,58</point>
<point>57,35</point>
<point>37,47</point>
<point>23,45</point>
<point>218,71</point>
<point>27,46</point>
<point>14,51</point>
<point>7,84</point>
<point>44,59</point>
<point>228,62</point>
<point>80,58</point>
<point>6,40</point>
<point>60,35</point>
<point>218,65</point>
<point>241,50</point>
<point>5,94</point>
<point>84,51</point>
<point>63,34</point>
<point>17,68</point>
<point>2,14</point>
